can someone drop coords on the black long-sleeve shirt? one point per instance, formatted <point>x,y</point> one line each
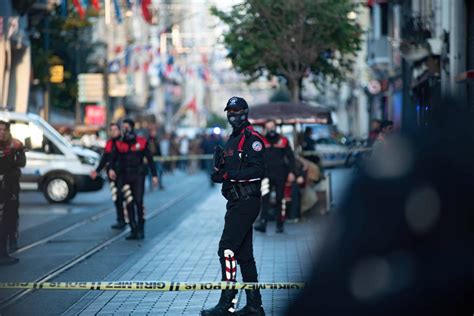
<point>248,165</point>
<point>106,156</point>
<point>129,158</point>
<point>279,157</point>
<point>12,158</point>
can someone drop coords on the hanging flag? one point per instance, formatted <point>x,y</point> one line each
<point>79,8</point>
<point>192,105</point>
<point>118,12</point>
<point>146,11</point>
<point>96,4</point>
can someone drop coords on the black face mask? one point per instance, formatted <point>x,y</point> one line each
<point>129,136</point>
<point>271,134</point>
<point>237,119</point>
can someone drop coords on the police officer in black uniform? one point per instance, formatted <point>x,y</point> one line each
<point>110,147</point>
<point>280,163</point>
<point>240,168</point>
<point>12,158</point>
<point>128,162</point>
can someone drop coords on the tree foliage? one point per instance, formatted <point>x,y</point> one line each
<point>291,37</point>
<point>60,41</point>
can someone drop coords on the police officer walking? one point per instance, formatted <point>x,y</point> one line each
<point>12,158</point>
<point>240,167</point>
<point>280,163</point>
<point>128,162</point>
<point>110,147</point>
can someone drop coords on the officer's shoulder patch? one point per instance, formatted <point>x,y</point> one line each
<point>257,146</point>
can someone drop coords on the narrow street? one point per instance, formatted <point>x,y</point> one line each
<point>183,229</point>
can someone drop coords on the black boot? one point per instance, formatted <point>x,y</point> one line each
<point>254,304</point>
<point>5,259</point>
<point>141,231</point>
<point>261,226</point>
<point>119,225</point>
<point>279,227</point>
<point>12,244</point>
<point>226,305</point>
<point>133,232</point>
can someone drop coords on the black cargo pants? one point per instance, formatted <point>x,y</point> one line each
<point>133,190</point>
<point>236,240</point>
<point>9,210</point>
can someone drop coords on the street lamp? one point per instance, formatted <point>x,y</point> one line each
<point>352,15</point>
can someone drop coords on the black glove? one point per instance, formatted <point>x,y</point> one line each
<point>218,157</point>
<point>218,176</point>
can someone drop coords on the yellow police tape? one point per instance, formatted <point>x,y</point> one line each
<point>210,156</point>
<point>150,286</point>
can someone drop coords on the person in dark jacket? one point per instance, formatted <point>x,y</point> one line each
<point>240,169</point>
<point>128,162</point>
<point>12,159</point>
<point>154,145</point>
<point>280,168</point>
<point>117,197</point>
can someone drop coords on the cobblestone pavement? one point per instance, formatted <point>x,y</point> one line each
<point>188,253</point>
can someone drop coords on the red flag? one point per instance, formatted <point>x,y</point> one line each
<point>192,105</point>
<point>96,4</point>
<point>146,11</point>
<point>79,8</point>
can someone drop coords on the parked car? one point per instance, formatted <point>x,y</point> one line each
<point>54,166</point>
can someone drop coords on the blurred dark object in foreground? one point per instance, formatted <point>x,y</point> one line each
<point>402,243</point>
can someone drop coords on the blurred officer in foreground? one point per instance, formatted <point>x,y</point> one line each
<point>117,196</point>
<point>280,167</point>
<point>128,162</point>
<point>240,166</point>
<point>402,241</point>
<point>12,158</point>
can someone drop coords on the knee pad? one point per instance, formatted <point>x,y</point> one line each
<point>230,265</point>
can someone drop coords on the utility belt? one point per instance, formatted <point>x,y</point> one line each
<point>242,191</point>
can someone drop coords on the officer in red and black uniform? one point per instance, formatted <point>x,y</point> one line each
<point>12,158</point>
<point>128,162</point>
<point>110,146</point>
<point>240,168</point>
<point>280,163</point>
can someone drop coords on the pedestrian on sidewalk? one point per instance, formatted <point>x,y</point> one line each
<point>280,168</point>
<point>12,159</point>
<point>240,166</point>
<point>386,129</point>
<point>374,131</point>
<point>128,167</point>
<point>155,148</point>
<point>117,196</point>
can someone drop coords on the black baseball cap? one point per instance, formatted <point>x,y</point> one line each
<point>236,103</point>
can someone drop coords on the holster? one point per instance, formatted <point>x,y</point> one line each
<point>242,191</point>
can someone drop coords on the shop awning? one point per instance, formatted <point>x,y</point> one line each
<point>289,113</point>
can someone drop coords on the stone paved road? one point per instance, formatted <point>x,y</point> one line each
<point>188,253</point>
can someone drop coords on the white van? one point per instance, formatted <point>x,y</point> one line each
<point>54,166</point>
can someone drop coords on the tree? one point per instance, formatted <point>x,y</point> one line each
<point>288,38</point>
<point>60,43</point>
